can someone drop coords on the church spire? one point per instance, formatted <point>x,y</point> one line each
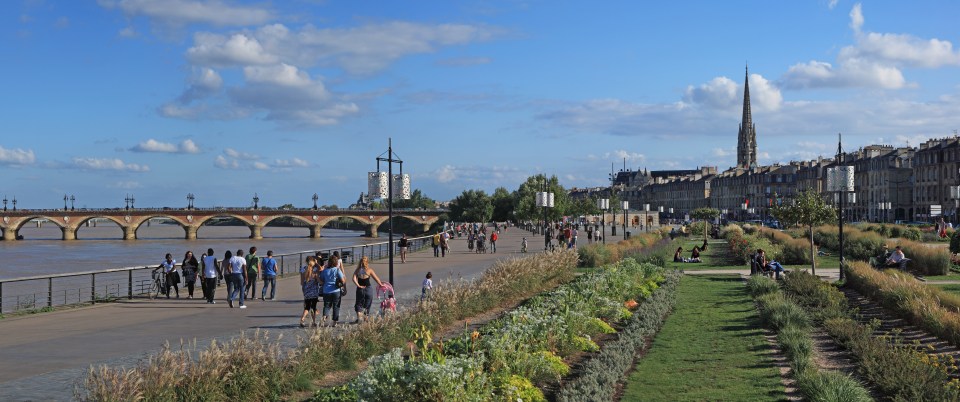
<point>747,137</point>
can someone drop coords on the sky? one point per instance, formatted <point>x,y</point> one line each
<point>225,99</point>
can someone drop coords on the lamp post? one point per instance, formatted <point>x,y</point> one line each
<point>646,217</point>
<point>315,198</point>
<point>14,203</point>
<point>256,201</point>
<point>625,205</point>
<point>126,202</point>
<point>840,182</point>
<point>72,199</point>
<point>545,200</point>
<point>604,205</point>
<point>65,198</point>
<point>190,198</point>
<point>4,203</point>
<point>390,159</point>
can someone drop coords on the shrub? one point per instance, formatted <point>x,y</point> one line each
<point>391,376</point>
<point>955,242</point>
<point>821,299</point>
<point>599,254</point>
<point>797,345</point>
<point>925,259</point>
<point>793,251</point>
<point>517,388</point>
<point>759,285</point>
<point>831,386</point>
<point>910,233</point>
<point>778,312</point>
<point>600,375</point>
<point>729,230</point>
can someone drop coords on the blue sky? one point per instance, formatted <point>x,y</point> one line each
<point>224,99</point>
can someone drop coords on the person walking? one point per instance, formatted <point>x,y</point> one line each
<point>403,244</point>
<point>211,271</point>
<point>253,272</point>
<point>269,266</point>
<point>238,275</point>
<point>493,241</point>
<point>310,284</point>
<point>169,267</point>
<point>189,267</point>
<point>435,242</point>
<point>332,278</point>
<point>444,244</point>
<point>365,292</point>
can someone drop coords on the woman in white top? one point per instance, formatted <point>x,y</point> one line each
<point>169,267</point>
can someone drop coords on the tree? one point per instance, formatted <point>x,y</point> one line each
<point>705,215</point>
<point>417,200</point>
<point>471,206</point>
<point>809,209</point>
<point>525,197</point>
<point>503,203</point>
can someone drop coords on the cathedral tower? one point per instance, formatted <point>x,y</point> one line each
<point>747,138</point>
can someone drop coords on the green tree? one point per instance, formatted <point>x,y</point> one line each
<point>525,196</point>
<point>471,206</point>
<point>810,210</point>
<point>705,215</point>
<point>417,200</point>
<point>503,203</point>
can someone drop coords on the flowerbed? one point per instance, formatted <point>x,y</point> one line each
<point>863,246</point>
<point>793,326</point>
<point>504,359</point>
<point>599,254</point>
<point>925,306</point>
<point>255,368</point>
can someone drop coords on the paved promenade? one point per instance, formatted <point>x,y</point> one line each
<point>46,355</point>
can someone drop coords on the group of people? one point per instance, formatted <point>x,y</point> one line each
<point>240,272</point>
<point>694,255</point>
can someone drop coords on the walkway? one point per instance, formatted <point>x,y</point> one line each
<point>45,355</point>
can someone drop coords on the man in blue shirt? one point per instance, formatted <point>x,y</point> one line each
<point>268,266</point>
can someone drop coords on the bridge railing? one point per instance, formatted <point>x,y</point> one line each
<point>45,292</point>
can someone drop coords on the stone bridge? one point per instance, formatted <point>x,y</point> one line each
<point>192,219</point>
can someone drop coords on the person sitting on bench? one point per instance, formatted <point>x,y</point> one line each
<point>897,259</point>
<point>768,266</point>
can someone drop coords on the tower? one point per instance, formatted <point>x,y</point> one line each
<point>747,138</point>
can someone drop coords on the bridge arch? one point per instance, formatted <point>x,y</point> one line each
<point>27,219</point>
<point>420,225</point>
<point>80,223</point>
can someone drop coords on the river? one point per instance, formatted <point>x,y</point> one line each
<point>101,247</point>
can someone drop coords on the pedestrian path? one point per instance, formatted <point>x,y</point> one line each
<point>45,355</point>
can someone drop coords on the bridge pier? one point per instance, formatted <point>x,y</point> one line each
<point>425,228</point>
<point>9,234</point>
<point>129,233</point>
<point>315,231</point>
<point>190,232</point>
<point>256,232</point>
<point>371,230</point>
<point>69,233</point>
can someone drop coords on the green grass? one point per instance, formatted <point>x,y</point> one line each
<point>951,288</point>
<point>717,256</point>
<point>952,276</point>
<point>824,261</point>
<point>710,349</point>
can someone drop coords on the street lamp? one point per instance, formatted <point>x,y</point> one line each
<point>190,198</point>
<point>256,201</point>
<point>14,203</point>
<point>604,205</point>
<point>72,199</point>
<point>65,198</point>
<point>132,200</point>
<point>884,207</point>
<point>4,203</point>
<point>646,217</point>
<point>545,200</point>
<point>126,202</point>
<point>375,184</point>
<point>315,198</point>
<point>840,182</point>
<point>625,205</point>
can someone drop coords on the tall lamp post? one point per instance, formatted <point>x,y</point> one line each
<point>256,201</point>
<point>840,182</point>
<point>14,203</point>
<point>404,181</point>
<point>625,205</point>
<point>646,217</point>
<point>72,199</point>
<point>65,198</point>
<point>190,198</point>
<point>604,205</point>
<point>884,207</point>
<point>545,200</point>
<point>315,198</point>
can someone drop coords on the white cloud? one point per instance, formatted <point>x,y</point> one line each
<point>152,145</point>
<point>16,157</point>
<point>620,155</point>
<point>222,51</point>
<point>721,152</point>
<point>763,94</point>
<point>719,93</point>
<point>233,153</point>
<point>832,4</point>
<point>128,32</point>
<point>295,162</point>
<point>182,12</point>
<point>224,163</point>
<point>876,60</point>
<point>108,164</point>
<point>445,174</point>
<point>856,17</point>
<point>260,166</point>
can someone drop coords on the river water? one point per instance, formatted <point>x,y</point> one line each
<point>42,252</point>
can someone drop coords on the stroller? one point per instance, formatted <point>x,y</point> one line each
<point>481,246</point>
<point>386,295</point>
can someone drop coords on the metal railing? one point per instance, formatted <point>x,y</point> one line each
<point>44,292</point>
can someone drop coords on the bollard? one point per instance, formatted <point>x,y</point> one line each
<point>129,285</point>
<point>49,292</point>
<point>93,289</point>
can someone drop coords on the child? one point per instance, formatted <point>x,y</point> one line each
<point>523,245</point>
<point>427,285</point>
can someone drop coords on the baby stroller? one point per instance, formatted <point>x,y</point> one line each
<point>386,295</point>
<point>481,246</point>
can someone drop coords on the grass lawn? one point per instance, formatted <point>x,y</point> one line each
<point>950,288</point>
<point>951,276</point>
<point>716,256</point>
<point>710,349</point>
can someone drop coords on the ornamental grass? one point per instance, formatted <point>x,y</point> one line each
<point>599,254</point>
<point>792,251</point>
<point>927,307</point>
<point>926,260</point>
<point>252,367</point>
